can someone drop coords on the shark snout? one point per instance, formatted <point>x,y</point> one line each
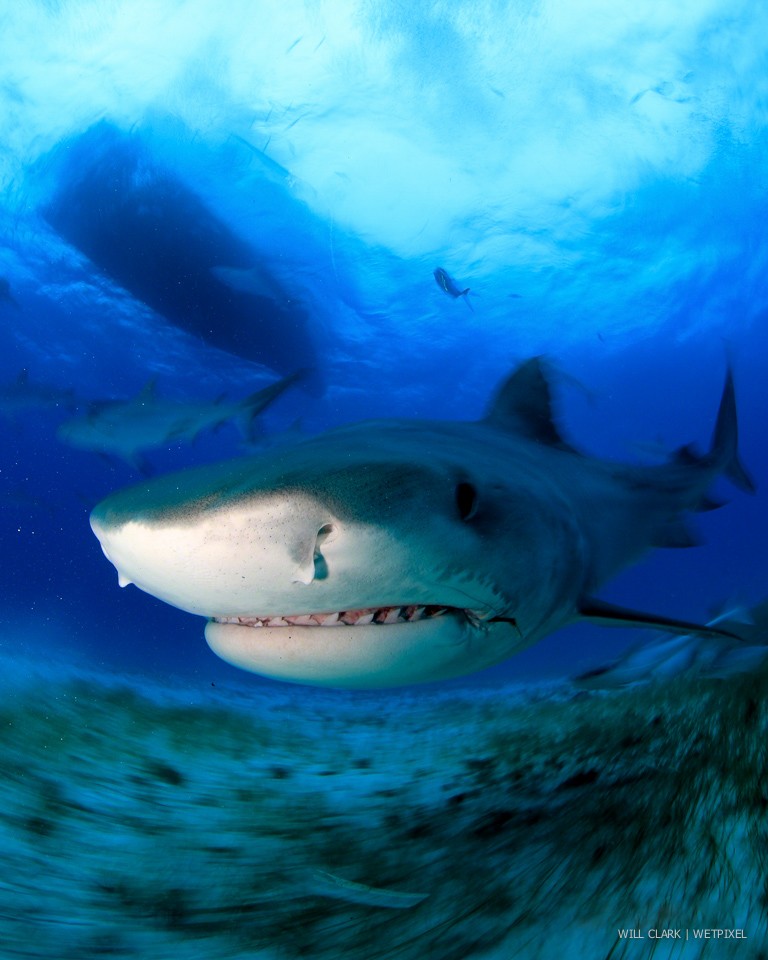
<point>244,559</point>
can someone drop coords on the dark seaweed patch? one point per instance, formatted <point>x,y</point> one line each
<point>581,779</point>
<point>165,773</point>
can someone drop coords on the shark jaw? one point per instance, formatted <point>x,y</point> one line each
<point>295,592</point>
<point>362,645</point>
<point>381,649</point>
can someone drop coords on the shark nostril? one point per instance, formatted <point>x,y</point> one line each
<point>324,533</point>
<point>312,565</point>
<point>321,567</point>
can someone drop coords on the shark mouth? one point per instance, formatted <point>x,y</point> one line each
<point>350,618</point>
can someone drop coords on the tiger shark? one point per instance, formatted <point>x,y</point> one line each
<point>392,552</point>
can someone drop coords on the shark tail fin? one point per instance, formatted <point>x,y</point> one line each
<point>724,453</point>
<point>257,402</point>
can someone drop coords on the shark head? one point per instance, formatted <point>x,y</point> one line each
<point>361,558</point>
<point>322,566</point>
<point>393,552</point>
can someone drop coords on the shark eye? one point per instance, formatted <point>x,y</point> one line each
<point>466,500</point>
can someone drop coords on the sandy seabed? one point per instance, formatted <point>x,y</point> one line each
<point>139,821</point>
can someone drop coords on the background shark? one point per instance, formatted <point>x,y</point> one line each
<point>393,552</point>
<point>128,428</point>
<point>22,394</point>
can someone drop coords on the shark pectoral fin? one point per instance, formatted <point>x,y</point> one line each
<point>611,615</point>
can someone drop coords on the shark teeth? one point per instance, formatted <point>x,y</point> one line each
<point>349,618</point>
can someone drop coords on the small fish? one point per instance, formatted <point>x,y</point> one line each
<point>448,285</point>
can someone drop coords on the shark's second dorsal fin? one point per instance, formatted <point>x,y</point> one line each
<point>523,405</point>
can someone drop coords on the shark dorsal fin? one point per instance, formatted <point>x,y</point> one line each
<point>523,405</point>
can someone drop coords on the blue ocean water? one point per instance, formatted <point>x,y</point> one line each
<point>210,196</point>
<point>595,179</point>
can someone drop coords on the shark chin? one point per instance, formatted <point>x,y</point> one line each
<point>367,656</point>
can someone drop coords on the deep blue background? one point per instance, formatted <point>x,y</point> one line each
<point>597,180</point>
